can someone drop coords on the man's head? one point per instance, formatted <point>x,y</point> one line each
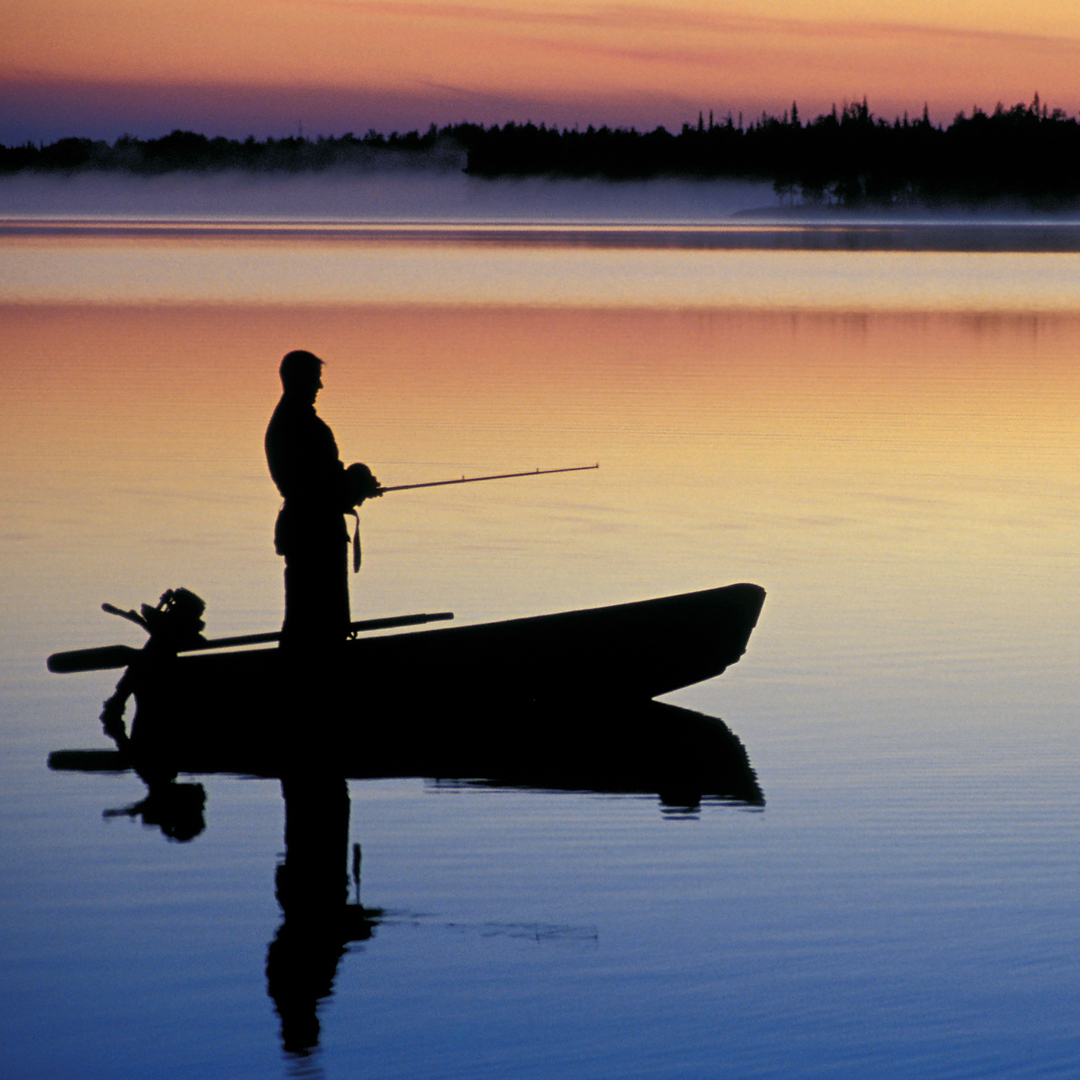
<point>301,374</point>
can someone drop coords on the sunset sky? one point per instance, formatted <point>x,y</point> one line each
<point>103,67</point>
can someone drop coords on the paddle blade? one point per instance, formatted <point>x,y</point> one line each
<point>100,659</point>
<point>88,761</point>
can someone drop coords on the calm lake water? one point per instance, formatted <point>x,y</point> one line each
<point>878,425</point>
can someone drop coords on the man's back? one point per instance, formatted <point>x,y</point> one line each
<point>303,456</point>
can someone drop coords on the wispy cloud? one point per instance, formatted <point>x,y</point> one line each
<point>634,17</point>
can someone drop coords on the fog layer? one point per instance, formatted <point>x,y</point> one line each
<point>395,196</point>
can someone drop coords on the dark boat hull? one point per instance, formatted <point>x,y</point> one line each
<point>476,701</point>
<point>441,702</point>
<point>636,650</point>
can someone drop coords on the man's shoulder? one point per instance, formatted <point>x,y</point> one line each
<point>288,415</point>
<point>299,428</point>
<point>291,409</point>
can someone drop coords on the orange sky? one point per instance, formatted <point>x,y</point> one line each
<point>336,65</point>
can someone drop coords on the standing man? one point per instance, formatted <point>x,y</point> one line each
<point>318,491</point>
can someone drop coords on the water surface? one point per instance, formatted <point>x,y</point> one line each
<point>884,439</point>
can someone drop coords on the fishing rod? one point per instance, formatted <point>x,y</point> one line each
<point>364,487</point>
<point>477,479</point>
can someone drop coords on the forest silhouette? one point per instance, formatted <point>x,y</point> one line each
<point>1026,155</point>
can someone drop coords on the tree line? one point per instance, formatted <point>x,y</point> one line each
<point>1026,154</point>
<point>188,151</point>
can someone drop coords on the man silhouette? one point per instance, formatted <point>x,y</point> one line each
<point>318,491</point>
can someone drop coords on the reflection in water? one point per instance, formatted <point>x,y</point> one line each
<point>682,756</point>
<point>649,747</point>
<point>177,809</point>
<point>677,753</point>
<point>312,889</point>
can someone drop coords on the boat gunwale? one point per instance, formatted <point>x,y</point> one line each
<point>517,624</point>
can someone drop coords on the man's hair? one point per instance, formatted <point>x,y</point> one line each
<point>299,365</point>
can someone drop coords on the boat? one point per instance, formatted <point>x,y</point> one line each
<point>513,699</point>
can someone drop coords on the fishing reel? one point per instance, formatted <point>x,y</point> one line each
<point>361,483</point>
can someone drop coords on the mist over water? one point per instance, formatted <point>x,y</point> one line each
<point>401,195</point>
<point>441,192</point>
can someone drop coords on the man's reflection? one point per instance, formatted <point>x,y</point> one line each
<point>312,889</point>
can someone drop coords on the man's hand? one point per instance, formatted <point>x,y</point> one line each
<point>361,483</point>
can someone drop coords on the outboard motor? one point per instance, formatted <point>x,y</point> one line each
<point>174,624</point>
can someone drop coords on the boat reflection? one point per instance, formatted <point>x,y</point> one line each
<point>685,759</point>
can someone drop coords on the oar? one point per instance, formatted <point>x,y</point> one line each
<point>118,656</point>
<point>101,659</point>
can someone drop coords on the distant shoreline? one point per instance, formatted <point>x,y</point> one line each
<point>1013,161</point>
